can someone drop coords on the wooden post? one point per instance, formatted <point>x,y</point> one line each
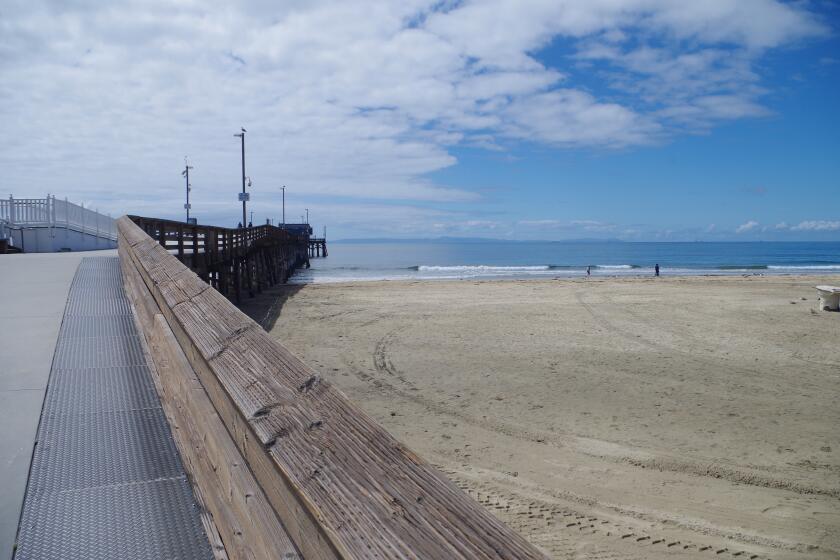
<point>195,251</point>
<point>180,243</point>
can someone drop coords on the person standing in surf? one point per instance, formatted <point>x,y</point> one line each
<point>656,270</point>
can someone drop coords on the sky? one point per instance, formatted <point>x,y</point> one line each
<point>640,120</point>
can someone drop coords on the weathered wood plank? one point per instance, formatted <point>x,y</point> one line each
<point>248,526</point>
<point>303,528</point>
<point>342,485</point>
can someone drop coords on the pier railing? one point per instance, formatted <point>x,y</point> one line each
<point>232,260</point>
<point>274,449</point>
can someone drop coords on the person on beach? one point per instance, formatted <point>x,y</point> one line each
<point>656,270</point>
<point>589,271</point>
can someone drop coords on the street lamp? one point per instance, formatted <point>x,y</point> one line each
<point>244,196</point>
<point>283,188</point>
<point>186,174</point>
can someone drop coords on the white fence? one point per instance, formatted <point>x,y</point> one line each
<point>51,212</point>
<point>54,225</point>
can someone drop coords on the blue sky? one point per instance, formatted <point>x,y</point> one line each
<point>773,169</point>
<point>638,120</point>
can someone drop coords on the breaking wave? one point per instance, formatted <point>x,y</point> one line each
<point>742,267</point>
<point>484,269</point>
<point>806,267</point>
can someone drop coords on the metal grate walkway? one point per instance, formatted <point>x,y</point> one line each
<point>106,480</point>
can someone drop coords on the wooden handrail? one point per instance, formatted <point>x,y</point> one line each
<point>230,259</point>
<point>342,486</point>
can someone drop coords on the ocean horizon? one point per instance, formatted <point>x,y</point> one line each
<point>450,259</point>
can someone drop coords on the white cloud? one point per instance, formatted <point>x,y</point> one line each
<point>575,118</point>
<point>354,99</point>
<point>745,227</point>
<point>481,224</point>
<point>572,226</point>
<point>781,226</point>
<point>817,225</point>
<point>593,225</point>
<point>541,223</point>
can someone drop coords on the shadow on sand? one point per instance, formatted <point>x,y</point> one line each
<point>265,308</point>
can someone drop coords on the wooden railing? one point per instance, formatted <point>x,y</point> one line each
<point>232,260</point>
<point>286,465</point>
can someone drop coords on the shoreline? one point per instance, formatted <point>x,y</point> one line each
<point>798,276</point>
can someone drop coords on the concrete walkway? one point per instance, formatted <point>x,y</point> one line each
<point>33,294</point>
<point>106,479</point>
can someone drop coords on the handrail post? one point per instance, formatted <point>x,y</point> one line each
<point>180,233</point>
<point>195,247</point>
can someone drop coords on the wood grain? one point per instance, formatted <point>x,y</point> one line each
<point>243,524</point>
<point>343,486</point>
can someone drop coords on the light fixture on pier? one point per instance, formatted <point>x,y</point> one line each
<point>243,195</point>
<point>186,174</point>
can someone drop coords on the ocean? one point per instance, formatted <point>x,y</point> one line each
<point>451,260</point>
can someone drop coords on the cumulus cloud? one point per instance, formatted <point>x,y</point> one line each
<point>355,99</point>
<point>745,227</point>
<point>817,225</point>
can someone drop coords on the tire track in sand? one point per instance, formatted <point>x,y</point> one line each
<point>520,512</point>
<point>385,367</point>
<point>555,526</point>
<point>703,468</point>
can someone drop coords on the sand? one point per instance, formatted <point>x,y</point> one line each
<point>692,417</point>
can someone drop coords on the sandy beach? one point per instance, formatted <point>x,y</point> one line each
<point>693,417</point>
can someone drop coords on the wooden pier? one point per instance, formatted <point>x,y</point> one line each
<point>235,260</point>
<point>317,247</point>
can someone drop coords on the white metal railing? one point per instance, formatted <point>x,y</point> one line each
<point>50,212</point>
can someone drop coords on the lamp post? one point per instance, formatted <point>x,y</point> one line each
<point>244,196</point>
<point>186,174</point>
<point>283,188</point>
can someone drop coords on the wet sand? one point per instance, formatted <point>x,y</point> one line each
<point>693,417</point>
